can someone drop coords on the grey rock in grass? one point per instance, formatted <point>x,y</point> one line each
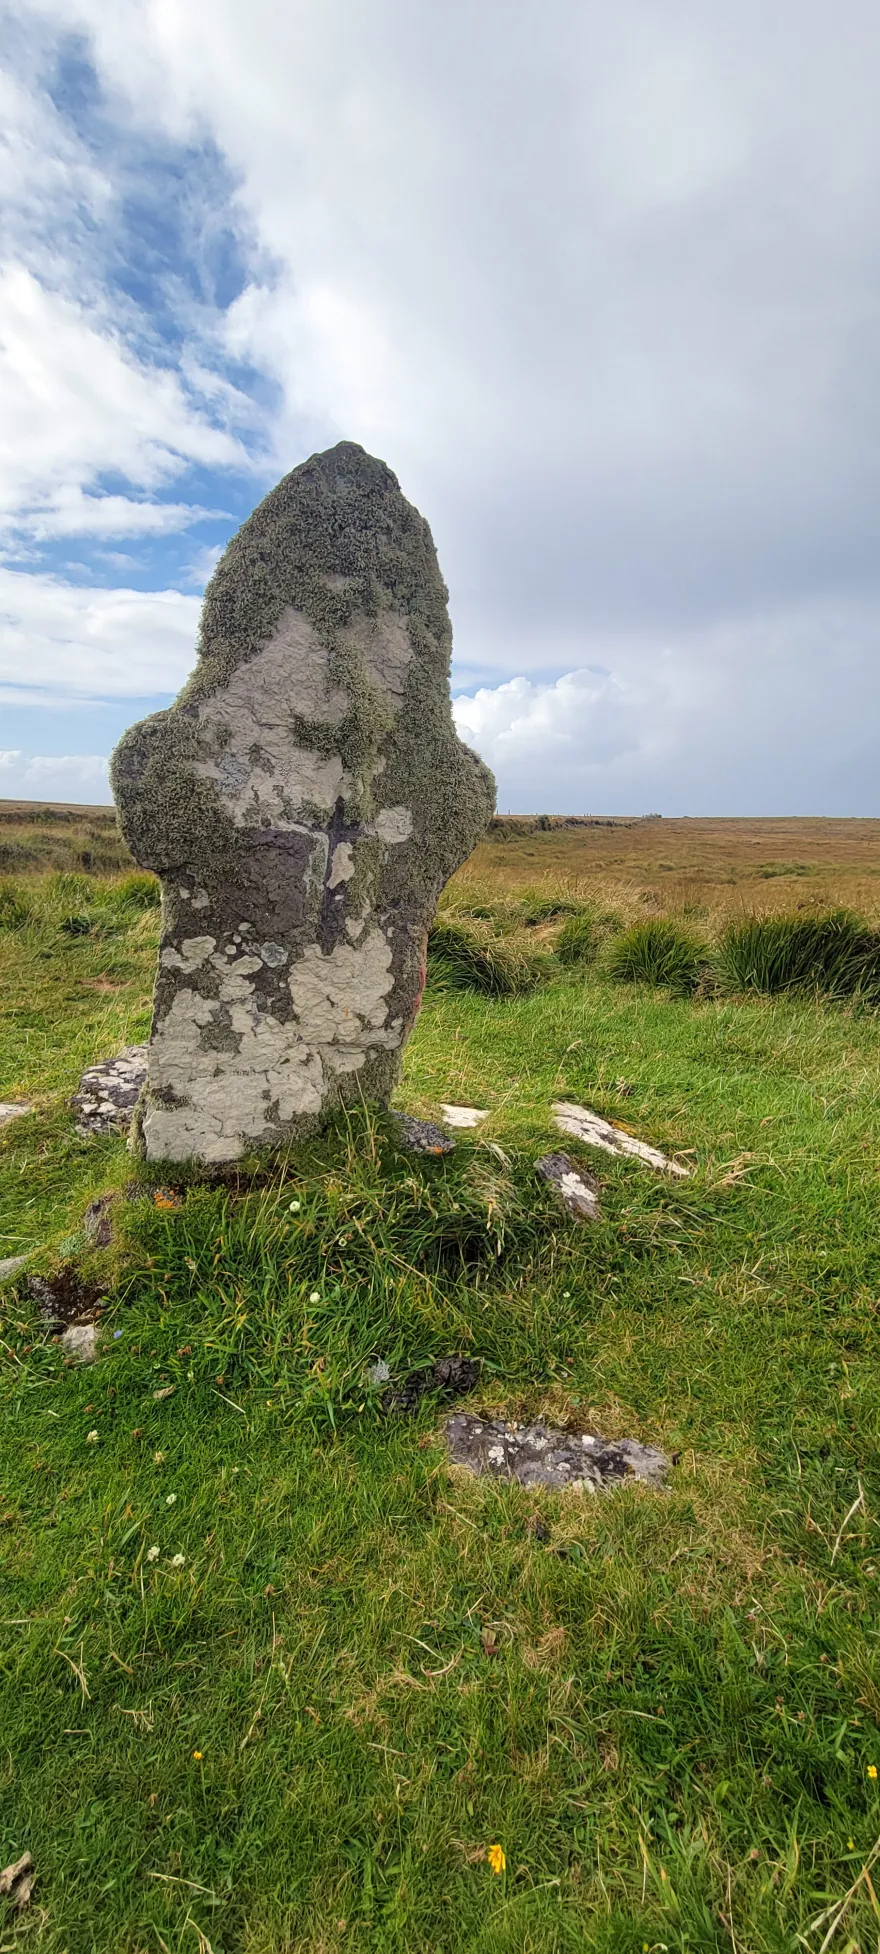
<point>12,1266</point>
<point>304,801</point>
<point>583,1124</point>
<point>539,1455</point>
<point>421,1135</point>
<point>80,1342</point>
<point>578,1194</point>
<point>12,1109</point>
<point>464,1117</point>
<point>108,1092</point>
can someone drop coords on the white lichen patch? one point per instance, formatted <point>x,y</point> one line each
<point>340,997</point>
<point>228,1094</point>
<point>392,825</point>
<point>239,1071</point>
<point>342,865</point>
<point>256,766</point>
<point>193,952</point>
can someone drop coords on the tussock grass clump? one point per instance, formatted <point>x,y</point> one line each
<point>462,956</point>
<point>835,953</point>
<point>15,909</point>
<point>138,891</point>
<point>535,908</point>
<point>578,940</point>
<point>657,952</point>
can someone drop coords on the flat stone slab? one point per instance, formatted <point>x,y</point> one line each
<point>539,1455</point>
<point>463,1116</point>
<point>584,1125</point>
<point>421,1135</point>
<point>108,1092</point>
<point>577,1194</point>
<point>12,1109</point>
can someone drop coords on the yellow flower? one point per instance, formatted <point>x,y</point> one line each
<point>198,1756</point>
<point>850,1845</point>
<point>495,1856</point>
<point>872,1770</point>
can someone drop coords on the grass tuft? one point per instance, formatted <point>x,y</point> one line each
<point>463,956</point>
<point>578,940</point>
<point>836,954</point>
<point>138,891</point>
<point>15,909</point>
<point>656,952</point>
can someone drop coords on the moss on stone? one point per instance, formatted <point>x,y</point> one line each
<point>337,543</point>
<point>171,817</point>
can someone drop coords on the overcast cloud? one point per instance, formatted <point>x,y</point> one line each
<point>600,281</point>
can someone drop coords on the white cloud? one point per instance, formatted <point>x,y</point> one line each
<point>71,513</point>
<point>604,294</point>
<point>105,643</point>
<point>770,714</point>
<point>75,403</point>
<point>77,777</point>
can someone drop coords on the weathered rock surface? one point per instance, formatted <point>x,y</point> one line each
<point>578,1194</point>
<point>452,1377</point>
<point>421,1135</point>
<point>11,1265</point>
<point>80,1342</point>
<point>108,1092</point>
<point>582,1124</point>
<point>12,1109</point>
<point>304,801</point>
<point>539,1455</point>
<point>464,1116</point>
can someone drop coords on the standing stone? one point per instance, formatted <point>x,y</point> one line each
<point>304,801</point>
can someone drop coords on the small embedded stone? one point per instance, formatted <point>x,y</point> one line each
<point>539,1455</point>
<point>463,1116</point>
<point>13,1109</point>
<point>11,1265</point>
<point>579,1196</point>
<point>98,1222</point>
<point>80,1342</point>
<point>452,1377</point>
<point>421,1135</point>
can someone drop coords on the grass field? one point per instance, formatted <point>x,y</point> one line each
<point>273,1680</point>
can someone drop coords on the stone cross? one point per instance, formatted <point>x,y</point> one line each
<point>304,801</point>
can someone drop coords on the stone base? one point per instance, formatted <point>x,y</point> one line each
<point>108,1092</point>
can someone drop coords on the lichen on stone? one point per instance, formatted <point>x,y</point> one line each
<point>306,793</point>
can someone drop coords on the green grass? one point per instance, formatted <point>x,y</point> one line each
<point>464,954</point>
<point>833,953</point>
<point>656,952</point>
<point>673,1743</point>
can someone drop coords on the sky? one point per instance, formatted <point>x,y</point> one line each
<point>599,279</point>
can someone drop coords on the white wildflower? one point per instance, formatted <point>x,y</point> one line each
<point>178,1560</point>
<point>315,1296</point>
<point>294,1207</point>
<point>152,1553</point>
<point>91,1438</point>
<point>170,1499</point>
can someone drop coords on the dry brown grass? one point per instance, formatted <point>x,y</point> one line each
<point>700,868</point>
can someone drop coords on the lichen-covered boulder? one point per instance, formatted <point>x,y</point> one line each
<point>304,801</point>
